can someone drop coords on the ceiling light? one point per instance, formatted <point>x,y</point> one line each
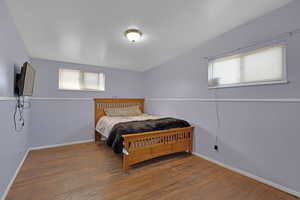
<point>133,35</point>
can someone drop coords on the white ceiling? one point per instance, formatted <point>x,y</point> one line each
<point>91,31</point>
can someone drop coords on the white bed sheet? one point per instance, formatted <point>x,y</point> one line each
<point>105,124</point>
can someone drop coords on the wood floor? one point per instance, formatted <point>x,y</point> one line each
<point>92,172</point>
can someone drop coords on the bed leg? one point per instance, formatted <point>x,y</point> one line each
<point>125,163</point>
<point>125,154</point>
<point>97,137</point>
<point>190,150</point>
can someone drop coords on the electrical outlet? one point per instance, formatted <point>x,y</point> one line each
<point>216,148</point>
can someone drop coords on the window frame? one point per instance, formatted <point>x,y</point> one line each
<point>284,79</point>
<point>81,81</point>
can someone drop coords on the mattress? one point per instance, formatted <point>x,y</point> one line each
<point>106,123</point>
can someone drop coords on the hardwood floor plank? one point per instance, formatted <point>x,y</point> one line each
<point>93,172</point>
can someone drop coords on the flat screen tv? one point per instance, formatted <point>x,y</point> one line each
<point>25,80</point>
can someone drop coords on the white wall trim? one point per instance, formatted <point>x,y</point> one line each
<point>260,179</point>
<point>47,99</point>
<point>59,99</point>
<point>287,100</point>
<point>25,156</point>
<point>60,145</point>
<point>7,98</point>
<point>291,100</point>
<point>15,175</point>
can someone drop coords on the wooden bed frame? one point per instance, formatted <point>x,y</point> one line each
<point>139,147</point>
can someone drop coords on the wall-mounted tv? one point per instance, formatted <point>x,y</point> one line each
<point>25,80</point>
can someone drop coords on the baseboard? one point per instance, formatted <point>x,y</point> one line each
<point>257,178</point>
<point>15,175</point>
<point>59,145</point>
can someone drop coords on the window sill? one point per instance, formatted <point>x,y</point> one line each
<point>249,84</point>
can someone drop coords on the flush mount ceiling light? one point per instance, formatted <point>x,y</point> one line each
<point>133,35</point>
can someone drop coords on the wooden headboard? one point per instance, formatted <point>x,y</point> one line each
<point>101,104</point>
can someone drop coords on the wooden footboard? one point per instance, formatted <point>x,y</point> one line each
<point>144,146</point>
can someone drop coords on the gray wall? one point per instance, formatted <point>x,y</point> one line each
<point>12,54</point>
<point>258,137</point>
<point>68,117</point>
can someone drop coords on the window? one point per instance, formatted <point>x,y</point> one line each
<point>263,66</point>
<point>70,79</point>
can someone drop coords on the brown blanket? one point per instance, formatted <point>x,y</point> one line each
<point>115,139</point>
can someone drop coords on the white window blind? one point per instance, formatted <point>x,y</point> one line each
<point>93,81</point>
<point>261,66</point>
<point>78,80</point>
<point>69,79</point>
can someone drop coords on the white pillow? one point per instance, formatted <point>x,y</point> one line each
<point>126,111</point>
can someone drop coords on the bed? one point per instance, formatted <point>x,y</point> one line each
<point>140,146</point>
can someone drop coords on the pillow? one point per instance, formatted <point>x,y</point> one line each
<point>127,111</point>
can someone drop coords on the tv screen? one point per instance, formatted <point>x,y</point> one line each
<point>25,80</point>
